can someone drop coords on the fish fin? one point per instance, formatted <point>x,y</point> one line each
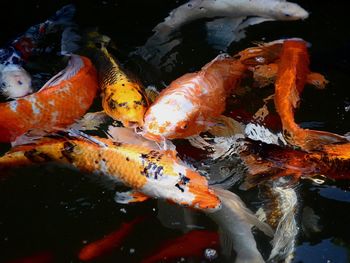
<point>62,17</point>
<point>233,202</point>
<point>85,137</point>
<point>129,136</point>
<point>258,132</point>
<point>222,32</point>
<point>317,80</point>
<point>151,93</point>
<point>70,40</point>
<point>130,197</point>
<point>90,121</point>
<point>315,140</point>
<point>75,63</point>
<point>226,127</point>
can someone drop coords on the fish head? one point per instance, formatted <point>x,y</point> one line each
<point>127,105</point>
<point>283,10</point>
<point>15,81</point>
<point>170,117</point>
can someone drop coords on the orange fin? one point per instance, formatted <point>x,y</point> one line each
<point>226,127</point>
<point>317,80</point>
<point>315,140</point>
<point>129,197</point>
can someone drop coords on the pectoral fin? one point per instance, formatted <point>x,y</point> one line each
<point>129,197</point>
<point>226,127</point>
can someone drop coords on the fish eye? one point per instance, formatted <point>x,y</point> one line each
<point>183,125</point>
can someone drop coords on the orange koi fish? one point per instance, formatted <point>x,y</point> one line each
<point>60,102</point>
<point>113,240</point>
<point>193,102</point>
<point>150,173</point>
<point>293,69</point>
<point>191,244</point>
<point>271,161</point>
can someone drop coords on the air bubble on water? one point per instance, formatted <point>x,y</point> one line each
<point>210,254</point>
<point>132,250</point>
<point>123,210</point>
<point>84,241</point>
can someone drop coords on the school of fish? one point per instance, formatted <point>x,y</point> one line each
<point>48,126</point>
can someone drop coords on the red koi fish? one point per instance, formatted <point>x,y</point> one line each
<point>293,69</point>
<point>193,102</point>
<point>113,240</point>
<point>192,244</point>
<point>60,102</point>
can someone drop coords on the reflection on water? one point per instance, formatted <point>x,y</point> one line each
<point>55,210</point>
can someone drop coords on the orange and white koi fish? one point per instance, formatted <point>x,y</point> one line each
<point>293,69</point>
<point>150,173</point>
<point>191,244</point>
<point>113,240</point>
<point>39,257</point>
<point>59,103</point>
<point>193,102</point>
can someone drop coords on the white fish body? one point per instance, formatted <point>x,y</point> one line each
<point>231,19</point>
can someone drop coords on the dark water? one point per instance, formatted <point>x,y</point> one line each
<point>55,210</point>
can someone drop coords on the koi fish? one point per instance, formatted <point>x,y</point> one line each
<point>150,173</point>
<point>60,102</point>
<point>191,244</point>
<point>15,80</point>
<point>193,102</point>
<point>113,240</point>
<point>293,68</point>
<point>230,18</point>
<point>123,95</point>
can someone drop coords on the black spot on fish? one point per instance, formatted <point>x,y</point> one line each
<point>143,156</point>
<point>37,157</point>
<point>67,151</point>
<point>138,102</point>
<point>123,104</point>
<point>117,144</point>
<point>181,189</point>
<point>112,104</point>
<point>127,158</point>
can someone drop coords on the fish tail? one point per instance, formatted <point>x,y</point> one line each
<point>315,140</point>
<point>63,17</point>
<point>235,221</point>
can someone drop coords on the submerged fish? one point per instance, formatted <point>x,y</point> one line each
<point>193,102</point>
<point>230,20</point>
<point>59,103</point>
<point>150,173</point>
<point>15,80</point>
<point>293,68</point>
<point>101,247</point>
<point>191,244</point>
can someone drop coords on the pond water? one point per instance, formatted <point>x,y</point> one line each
<point>52,211</point>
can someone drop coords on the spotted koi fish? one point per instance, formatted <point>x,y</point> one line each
<point>192,103</point>
<point>15,80</point>
<point>59,103</point>
<point>123,96</point>
<point>150,173</point>
<point>270,161</point>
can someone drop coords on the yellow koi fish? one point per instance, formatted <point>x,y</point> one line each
<point>149,172</point>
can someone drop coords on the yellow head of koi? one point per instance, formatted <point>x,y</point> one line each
<point>123,97</point>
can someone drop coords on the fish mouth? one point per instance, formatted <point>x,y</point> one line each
<point>152,137</point>
<point>132,124</point>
